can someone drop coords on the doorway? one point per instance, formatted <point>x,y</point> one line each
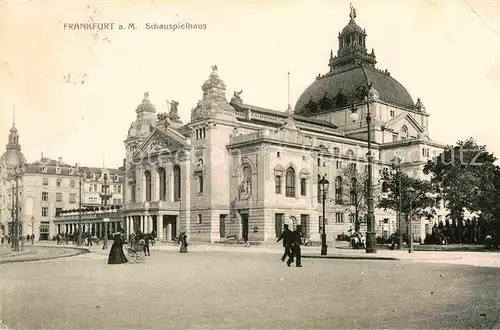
<point>169,227</point>
<point>244,224</point>
<point>222,225</point>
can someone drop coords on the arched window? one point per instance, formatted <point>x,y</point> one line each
<point>319,190</point>
<point>404,133</point>
<point>338,190</point>
<point>290,182</point>
<point>354,191</point>
<point>163,184</point>
<point>177,183</point>
<point>147,179</point>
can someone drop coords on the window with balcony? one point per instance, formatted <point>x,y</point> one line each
<point>163,184</point>
<point>290,182</point>
<point>177,183</point>
<point>148,185</point>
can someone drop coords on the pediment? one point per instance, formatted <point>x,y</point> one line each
<point>159,142</point>
<point>404,118</point>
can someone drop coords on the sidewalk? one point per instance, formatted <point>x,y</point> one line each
<point>480,259</point>
<point>37,252</point>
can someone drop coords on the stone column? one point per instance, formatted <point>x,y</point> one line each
<point>169,231</point>
<point>159,226</point>
<point>150,223</point>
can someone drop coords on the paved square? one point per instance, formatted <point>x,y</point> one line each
<point>245,290</point>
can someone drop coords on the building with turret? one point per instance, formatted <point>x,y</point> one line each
<point>47,187</point>
<point>239,169</point>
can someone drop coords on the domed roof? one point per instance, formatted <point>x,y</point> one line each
<point>336,89</point>
<point>12,158</point>
<point>351,28</point>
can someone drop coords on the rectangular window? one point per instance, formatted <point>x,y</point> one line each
<point>352,218</point>
<point>200,218</point>
<point>386,220</point>
<point>278,224</point>
<point>319,161</point>
<point>278,180</point>
<point>392,113</point>
<point>200,183</point>
<point>45,196</point>
<point>394,137</point>
<point>303,186</point>
<point>95,188</point>
<point>339,217</point>
<point>45,211</point>
<point>119,189</point>
<point>58,211</point>
<point>72,183</point>
<point>353,167</point>
<point>58,197</point>
<point>119,201</point>
<point>72,198</point>
<point>338,164</point>
<point>58,182</point>
<point>45,181</point>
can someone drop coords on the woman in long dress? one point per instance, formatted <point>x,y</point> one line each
<point>116,255</point>
<point>184,244</point>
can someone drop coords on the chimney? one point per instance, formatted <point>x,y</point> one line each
<point>59,160</point>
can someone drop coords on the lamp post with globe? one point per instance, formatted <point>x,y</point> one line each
<point>323,184</point>
<point>367,94</point>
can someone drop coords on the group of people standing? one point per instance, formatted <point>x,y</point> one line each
<point>138,241</point>
<point>292,240</point>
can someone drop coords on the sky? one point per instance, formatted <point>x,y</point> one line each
<point>445,52</point>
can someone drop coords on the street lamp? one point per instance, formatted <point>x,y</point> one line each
<point>396,170</point>
<point>367,94</point>
<point>323,183</point>
<point>81,174</point>
<point>16,173</point>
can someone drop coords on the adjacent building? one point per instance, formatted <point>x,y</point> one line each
<point>46,187</point>
<point>238,169</point>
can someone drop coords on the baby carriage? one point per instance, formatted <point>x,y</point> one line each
<point>136,252</point>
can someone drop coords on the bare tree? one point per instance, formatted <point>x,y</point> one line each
<point>354,191</point>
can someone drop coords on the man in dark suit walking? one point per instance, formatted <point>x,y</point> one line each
<point>297,242</point>
<point>287,237</point>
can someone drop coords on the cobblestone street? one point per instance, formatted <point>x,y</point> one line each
<point>211,289</point>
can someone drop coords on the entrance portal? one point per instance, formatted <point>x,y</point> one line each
<point>244,224</point>
<point>169,227</point>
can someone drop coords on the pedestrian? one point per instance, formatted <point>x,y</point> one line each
<point>184,243</point>
<point>116,254</point>
<point>297,242</point>
<point>32,238</point>
<point>58,239</point>
<point>146,245</point>
<point>132,240</point>
<point>245,238</point>
<point>287,238</point>
<point>3,237</point>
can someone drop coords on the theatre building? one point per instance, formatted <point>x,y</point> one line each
<point>237,168</point>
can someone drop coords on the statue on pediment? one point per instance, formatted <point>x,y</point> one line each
<point>173,114</point>
<point>419,105</point>
<point>161,116</point>
<point>237,97</point>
